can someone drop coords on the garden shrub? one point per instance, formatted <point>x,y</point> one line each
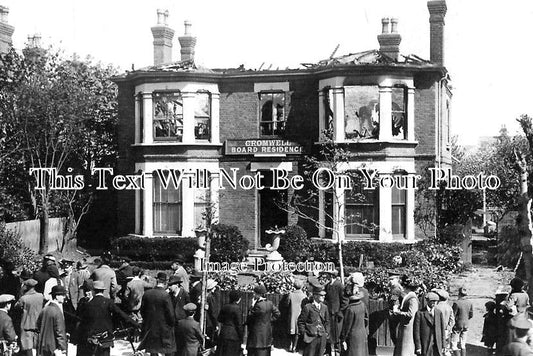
<point>13,249</point>
<point>451,235</point>
<point>156,248</point>
<point>277,282</point>
<point>294,245</point>
<point>508,250</point>
<point>227,244</point>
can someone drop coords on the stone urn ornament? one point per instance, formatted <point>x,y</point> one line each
<point>274,255</point>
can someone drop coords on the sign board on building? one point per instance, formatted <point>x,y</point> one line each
<point>262,147</point>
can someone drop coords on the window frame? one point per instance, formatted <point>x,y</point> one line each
<point>403,217</point>
<point>374,205</point>
<point>179,203</point>
<point>281,132</point>
<point>154,118</point>
<point>209,116</point>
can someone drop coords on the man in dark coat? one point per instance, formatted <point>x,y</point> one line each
<point>231,331</point>
<point>178,296</point>
<point>96,318</point>
<point>314,324</point>
<point>31,305</point>
<point>426,339</point>
<point>260,318</point>
<point>157,332</point>
<point>336,302</point>
<point>51,325</point>
<point>8,337</point>
<point>190,336</point>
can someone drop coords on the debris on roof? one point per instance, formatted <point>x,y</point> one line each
<point>181,66</point>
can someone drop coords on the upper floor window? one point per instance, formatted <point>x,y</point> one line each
<point>399,112</point>
<point>168,116</point>
<point>202,117</point>
<point>273,113</point>
<point>398,211</point>
<point>361,112</point>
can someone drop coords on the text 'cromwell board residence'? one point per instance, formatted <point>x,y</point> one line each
<point>391,111</point>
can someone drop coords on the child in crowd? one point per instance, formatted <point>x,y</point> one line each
<point>490,327</point>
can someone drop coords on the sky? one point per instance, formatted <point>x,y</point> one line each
<point>488,46</point>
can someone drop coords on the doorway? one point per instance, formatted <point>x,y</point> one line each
<point>270,209</point>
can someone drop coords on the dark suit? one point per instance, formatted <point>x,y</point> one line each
<point>336,301</point>
<point>95,317</point>
<point>179,302</point>
<point>259,322</point>
<point>424,334</point>
<point>190,337</point>
<point>51,326</point>
<point>231,333</point>
<point>313,324</point>
<point>158,322</point>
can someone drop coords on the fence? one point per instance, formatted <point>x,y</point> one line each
<point>29,231</point>
<point>378,327</point>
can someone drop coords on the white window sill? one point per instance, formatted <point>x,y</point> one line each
<point>170,143</point>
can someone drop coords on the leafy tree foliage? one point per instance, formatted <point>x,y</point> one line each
<point>55,113</point>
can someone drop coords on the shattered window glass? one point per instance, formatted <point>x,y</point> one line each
<point>399,113</point>
<point>168,116</point>
<point>361,112</point>
<point>202,116</point>
<point>273,113</point>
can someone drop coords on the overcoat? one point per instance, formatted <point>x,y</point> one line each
<point>190,337</point>
<point>105,274</point>
<point>7,331</point>
<point>424,334</point>
<point>295,304</point>
<point>75,291</point>
<point>445,319</point>
<point>355,329</point>
<point>158,322</point>
<point>463,312</point>
<point>178,303</point>
<point>405,318</point>
<point>51,326</point>
<point>259,322</point>
<point>31,304</point>
<point>314,325</point>
<point>230,319</point>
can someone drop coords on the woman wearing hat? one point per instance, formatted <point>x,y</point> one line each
<point>231,330</point>
<point>404,316</point>
<point>518,298</point>
<point>354,332</point>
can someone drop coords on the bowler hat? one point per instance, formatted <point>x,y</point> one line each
<point>175,280</point>
<point>4,298</point>
<point>260,289</point>
<point>58,290</point>
<point>179,259</point>
<point>162,276</point>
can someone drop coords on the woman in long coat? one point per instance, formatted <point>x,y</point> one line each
<point>404,315</point>
<point>354,334</point>
<point>231,331</point>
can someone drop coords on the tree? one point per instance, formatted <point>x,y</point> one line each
<point>64,112</point>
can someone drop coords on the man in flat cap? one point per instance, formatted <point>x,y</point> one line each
<point>52,338</point>
<point>31,305</point>
<point>96,317</point>
<point>157,332</point>
<point>134,293</point>
<point>444,318</point>
<point>259,321</point>
<point>424,329</point>
<point>190,337</point>
<point>314,324</point>
<point>520,326</point>
<point>8,337</point>
<point>463,311</point>
<point>107,275</point>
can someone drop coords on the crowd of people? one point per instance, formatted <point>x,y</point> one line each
<point>65,302</point>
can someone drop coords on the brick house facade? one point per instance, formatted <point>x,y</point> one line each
<point>391,112</point>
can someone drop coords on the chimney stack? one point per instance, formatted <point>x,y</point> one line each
<point>163,36</point>
<point>6,31</point>
<point>389,41</point>
<point>34,41</point>
<point>437,11</point>
<point>187,43</point>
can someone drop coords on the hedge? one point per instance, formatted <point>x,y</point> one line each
<point>155,249</point>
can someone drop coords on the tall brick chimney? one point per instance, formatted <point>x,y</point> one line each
<point>163,36</point>
<point>187,43</point>
<point>6,31</point>
<point>389,41</point>
<point>437,11</point>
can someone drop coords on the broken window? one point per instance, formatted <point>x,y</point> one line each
<point>399,112</point>
<point>202,116</point>
<point>168,116</point>
<point>273,113</point>
<point>361,112</point>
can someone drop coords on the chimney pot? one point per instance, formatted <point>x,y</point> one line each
<point>163,36</point>
<point>385,25</point>
<point>6,31</point>
<point>394,25</point>
<point>187,43</point>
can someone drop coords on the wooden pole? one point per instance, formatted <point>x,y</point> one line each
<point>203,300</point>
